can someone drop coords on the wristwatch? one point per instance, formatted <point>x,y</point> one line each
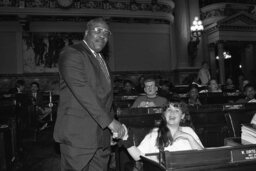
<point>65,3</point>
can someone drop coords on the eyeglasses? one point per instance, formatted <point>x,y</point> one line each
<point>103,31</point>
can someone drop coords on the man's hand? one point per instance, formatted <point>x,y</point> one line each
<point>117,129</point>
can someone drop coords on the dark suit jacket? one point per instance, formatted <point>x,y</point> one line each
<point>39,100</point>
<point>85,100</point>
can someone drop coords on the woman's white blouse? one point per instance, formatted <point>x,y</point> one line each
<point>148,144</point>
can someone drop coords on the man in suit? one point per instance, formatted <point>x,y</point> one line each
<point>84,119</point>
<point>40,112</point>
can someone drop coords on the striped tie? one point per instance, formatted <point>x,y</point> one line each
<point>103,66</point>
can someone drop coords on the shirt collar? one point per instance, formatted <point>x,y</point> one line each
<point>93,52</point>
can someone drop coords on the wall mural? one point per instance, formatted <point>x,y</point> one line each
<point>41,50</point>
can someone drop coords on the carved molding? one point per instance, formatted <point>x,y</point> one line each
<point>161,9</point>
<point>215,12</point>
<point>204,3</point>
<point>241,21</point>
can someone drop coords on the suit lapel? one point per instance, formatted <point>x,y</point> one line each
<point>95,62</point>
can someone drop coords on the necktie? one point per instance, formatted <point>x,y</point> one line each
<point>103,66</point>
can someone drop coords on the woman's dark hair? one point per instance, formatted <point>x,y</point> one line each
<point>164,137</point>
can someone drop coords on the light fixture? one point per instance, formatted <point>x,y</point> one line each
<point>196,32</point>
<point>227,55</point>
<point>196,29</point>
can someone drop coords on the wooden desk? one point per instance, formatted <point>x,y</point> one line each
<point>124,101</point>
<point>238,158</point>
<point>209,122</point>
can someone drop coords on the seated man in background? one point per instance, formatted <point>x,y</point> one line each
<point>249,92</point>
<point>128,88</point>
<point>18,89</point>
<point>40,111</point>
<point>151,99</point>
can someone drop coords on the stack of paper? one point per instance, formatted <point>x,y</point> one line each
<point>248,134</point>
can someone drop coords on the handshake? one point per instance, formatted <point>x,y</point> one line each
<point>119,130</point>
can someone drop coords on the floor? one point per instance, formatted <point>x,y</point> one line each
<point>42,155</point>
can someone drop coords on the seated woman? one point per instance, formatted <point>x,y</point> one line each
<point>213,86</point>
<point>193,96</point>
<point>170,135</point>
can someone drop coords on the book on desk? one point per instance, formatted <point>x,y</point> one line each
<point>248,135</point>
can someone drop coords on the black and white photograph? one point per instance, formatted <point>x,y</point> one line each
<point>127,85</point>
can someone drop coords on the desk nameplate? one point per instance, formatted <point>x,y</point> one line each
<point>241,155</point>
<point>233,107</point>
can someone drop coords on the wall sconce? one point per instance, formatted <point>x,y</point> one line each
<point>196,32</point>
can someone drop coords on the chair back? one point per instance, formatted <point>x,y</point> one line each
<point>150,165</point>
<point>235,119</point>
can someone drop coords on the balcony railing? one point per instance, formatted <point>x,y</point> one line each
<point>204,3</point>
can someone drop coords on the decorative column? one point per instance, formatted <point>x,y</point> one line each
<point>194,11</point>
<point>212,61</point>
<point>248,64</point>
<point>221,63</point>
<point>182,30</point>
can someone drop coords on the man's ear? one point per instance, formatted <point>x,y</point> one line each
<point>86,32</point>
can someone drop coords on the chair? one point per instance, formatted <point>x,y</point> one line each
<point>235,119</point>
<point>139,125</point>
<point>150,165</point>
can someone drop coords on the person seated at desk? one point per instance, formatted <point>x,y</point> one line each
<point>18,89</point>
<point>128,88</point>
<point>34,94</point>
<point>151,99</point>
<point>169,136</point>
<point>39,111</point>
<point>229,86</point>
<point>19,96</point>
<point>213,87</point>
<point>193,96</point>
<point>204,76</point>
<point>249,92</point>
<point>165,87</point>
